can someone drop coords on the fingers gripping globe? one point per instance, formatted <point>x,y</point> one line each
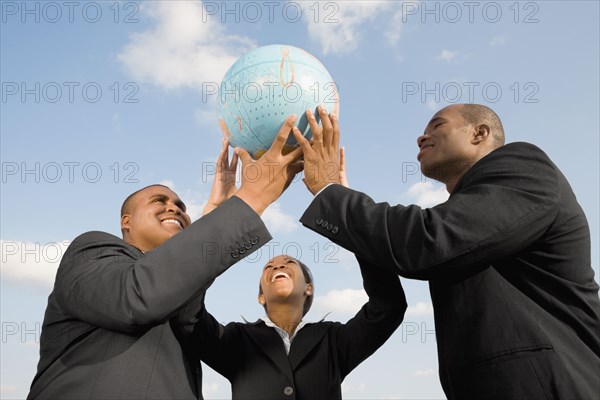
<point>265,86</point>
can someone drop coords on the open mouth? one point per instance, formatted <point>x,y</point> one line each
<point>172,221</point>
<point>280,275</point>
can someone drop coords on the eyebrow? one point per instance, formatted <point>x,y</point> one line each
<point>433,121</point>
<point>286,259</point>
<point>161,196</point>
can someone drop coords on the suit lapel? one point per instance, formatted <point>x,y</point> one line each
<point>269,341</point>
<point>305,341</point>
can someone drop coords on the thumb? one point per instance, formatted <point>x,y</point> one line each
<point>243,155</point>
<point>296,167</point>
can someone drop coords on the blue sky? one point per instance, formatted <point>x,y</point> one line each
<point>102,98</point>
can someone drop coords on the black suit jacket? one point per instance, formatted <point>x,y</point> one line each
<point>507,257</point>
<point>118,321</point>
<point>253,358</point>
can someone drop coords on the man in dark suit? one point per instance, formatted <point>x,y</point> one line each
<point>119,319</point>
<point>507,256</point>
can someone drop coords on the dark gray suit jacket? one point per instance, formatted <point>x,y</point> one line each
<point>253,358</point>
<point>118,321</point>
<point>507,257</point>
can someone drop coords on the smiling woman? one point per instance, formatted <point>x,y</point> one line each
<point>280,276</point>
<point>281,354</point>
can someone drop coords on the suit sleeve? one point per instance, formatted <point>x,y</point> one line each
<point>376,321</point>
<point>213,343</point>
<point>501,205</point>
<point>107,283</point>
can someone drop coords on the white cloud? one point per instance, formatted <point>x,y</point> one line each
<point>8,388</point>
<point>31,263</point>
<point>345,302</point>
<point>399,19</point>
<point>169,183</point>
<point>426,194</point>
<point>395,28</point>
<point>349,388</point>
<point>278,221</point>
<point>498,40</point>
<point>420,309</point>
<point>337,25</point>
<point>447,55</point>
<point>432,104</point>
<point>423,373</point>
<point>334,253</point>
<point>186,48</point>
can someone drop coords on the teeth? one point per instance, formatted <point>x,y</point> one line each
<point>173,221</point>
<point>278,275</point>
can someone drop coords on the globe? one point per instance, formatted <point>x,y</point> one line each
<point>265,86</point>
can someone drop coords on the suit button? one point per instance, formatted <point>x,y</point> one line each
<point>254,240</point>
<point>335,230</point>
<point>318,221</point>
<point>329,227</point>
<point>242,250</point>
<point>235,254</point>
<point>324,223</point>
<point>248,245</point>
<point>288,391</point>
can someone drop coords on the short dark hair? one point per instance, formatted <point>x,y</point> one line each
<point>126,207</point>
<point>308,278</point>
<point>476,114</point>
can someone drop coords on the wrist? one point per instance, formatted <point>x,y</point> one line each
<point>318,187</point>
<point>252,200</point>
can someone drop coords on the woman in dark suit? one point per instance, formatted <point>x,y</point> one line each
<point>280,355</point>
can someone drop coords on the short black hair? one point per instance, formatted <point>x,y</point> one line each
<point>476,114</point>
<point>126,207</point>
<point>308,278</point>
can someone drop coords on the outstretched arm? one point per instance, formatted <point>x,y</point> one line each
<point>502,205</point>
<point>106,282</point>
<point>376,321</point>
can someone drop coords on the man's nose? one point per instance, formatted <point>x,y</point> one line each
<point>172,207</point>
<point>420,140</point>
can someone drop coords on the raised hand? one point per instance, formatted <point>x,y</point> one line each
<point>265,179</point>
<point>322,157</point>
<point>223,186</point>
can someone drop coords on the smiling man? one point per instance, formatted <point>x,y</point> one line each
<point>119,323</point>
<point>507,256</point>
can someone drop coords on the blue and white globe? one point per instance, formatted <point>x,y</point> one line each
<point>264,87</point>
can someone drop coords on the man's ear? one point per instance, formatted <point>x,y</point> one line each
<point>481,134</point>
<point>125,221</point>
<point>261,299</point>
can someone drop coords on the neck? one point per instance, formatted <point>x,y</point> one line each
<point>460,170</point>
<point>285,316</point>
